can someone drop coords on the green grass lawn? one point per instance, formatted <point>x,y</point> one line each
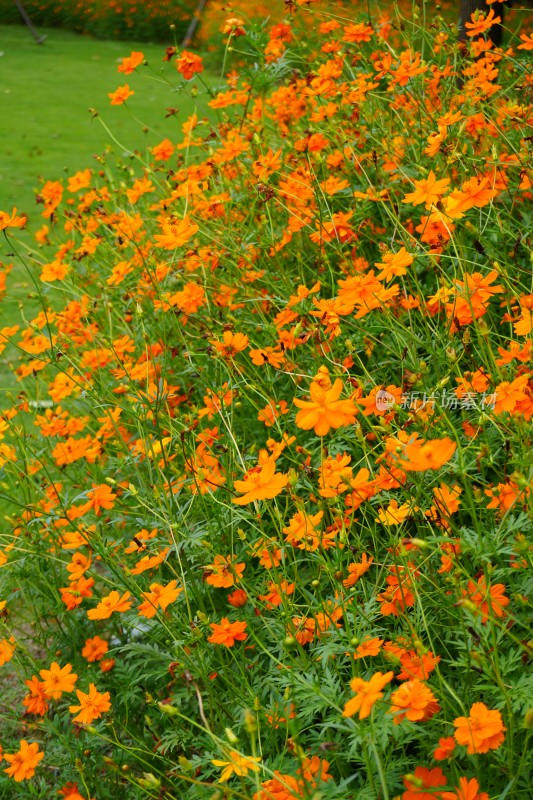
<point>47,131</point>
<point>46,91</point>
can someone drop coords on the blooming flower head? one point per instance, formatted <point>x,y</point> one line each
<point>22,764</point>
<point>444,749</point>
<point>95,649</point>
<point>189,64</point>
<point>481,22</point>
<point>425,784</point>
<point>261,483</point>
<point>11,220</point>
<point>92,705</point>
<point>231,344</point>
<point>7,648</point>
<point>234,26</point>
<point>35,701</point>
<point>57,680</point>
<point>366,694</point>
<point>324,410</point>
<point>489,601</point>
<point>109,604</point>
<point>120,95</point>
<point>100,496</point>
<point>467,790</point>
<point>224,572</point>
<point>414,701</point>
<point>482,731</point>
<point>428,190</point>
<point>236,765</point>
<point>227,633</point>
<point>159,596</point>
<point>131,62</point>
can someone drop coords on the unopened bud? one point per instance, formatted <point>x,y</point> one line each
<point>230,736</point>
<point>168,709</point>
<point>149,781</point>
<point>250,721</point>
<point>414,780</point>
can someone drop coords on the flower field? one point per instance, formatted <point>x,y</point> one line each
<point>266,469</point>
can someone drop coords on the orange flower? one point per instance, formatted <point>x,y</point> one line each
<point>481,23</point>
<point>100,496</point>
<point>7,648</point>
<point>267,355</point>
<point>78,566</point>
<point>24,762</point>
<point>301,531</point>
<point>35,700</point>
<point>131,62</point>
<point>415,701</point>
<point>163,150</point>
<point>417,665</point>
<point>188,64</point>
<point>109,604</point>
<point>227,633</point>
<point>72,596</point>
<point>433,454</point>
<point>261,483</point>
<point>95,649</point>
<point>51,195</point>
<point>92,705</point>
<point>57,680</point>
<point>70,792</point>
<point>482,731</point>
<point>368,647</point>
<point>489,601</point>
<point>366,694</point>
<point>467,790</point>
<point>12,221</point>
<point>444,749</point>
<point>358,32</point>
<point>425,786</point>
<point>175,233</point>
<point>234,26</point>
<point>54,271</point>
<point>428,190</point>
<point>394,264</point>
<point>231,344</point>
<point>223,573</point>
<point>324,410</point>
<point>527,39</point>
<point>276,593</point>
<point>304,630</point>
<point>120,95</point>
<point>80,180</point>
<point>159,597</point>
<point>238,598</point>
<point>394,514</point>
<point>357,569</point>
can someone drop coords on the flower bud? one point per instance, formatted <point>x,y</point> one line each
<point>230,736</point>
<point>414,780</point>
<point>168,709</point>
<point>250,721</point>
<point>149,781</point>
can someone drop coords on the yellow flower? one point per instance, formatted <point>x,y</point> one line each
<point>238,764</point>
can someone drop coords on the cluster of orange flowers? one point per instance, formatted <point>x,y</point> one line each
<point>270,438</point>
